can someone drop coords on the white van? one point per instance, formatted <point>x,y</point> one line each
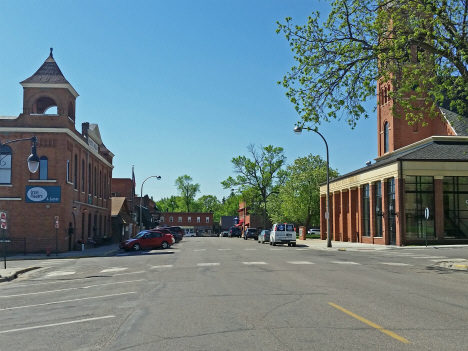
<point>190,232</point>
<point>283,233</point>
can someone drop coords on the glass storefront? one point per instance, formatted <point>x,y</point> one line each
<point>456,207</point>
<point>419,195</point>
<point>366,209</point>
<point>378,209</point>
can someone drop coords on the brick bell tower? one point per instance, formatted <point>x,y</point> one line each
<point>48,88</point>
<point>394,133</point>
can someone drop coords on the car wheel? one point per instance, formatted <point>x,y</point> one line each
<point>164,245</point>
<point>136,247</point>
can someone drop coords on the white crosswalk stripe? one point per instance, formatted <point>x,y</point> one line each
<point>395,264</point>
<point>59,273</point>
<point>163,266</point>
<point>253,263</point>
<point>116,269</point>
<point>207,264</point>
<point>346,262</point>
<point>299,262</point>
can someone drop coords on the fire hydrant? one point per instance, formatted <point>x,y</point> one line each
<point>48,251</point>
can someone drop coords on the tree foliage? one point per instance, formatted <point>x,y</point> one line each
<point>187,189</point>
<point>263,172</point>
<point>298,201</point>
<point>420,46</point>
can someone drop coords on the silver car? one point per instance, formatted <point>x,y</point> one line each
<point>264,236</point>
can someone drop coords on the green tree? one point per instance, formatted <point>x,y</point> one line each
<point>420,46</point>
<point>298,201</point>
<point>187,189</point>
<point>263,173</point>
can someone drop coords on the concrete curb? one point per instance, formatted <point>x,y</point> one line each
<point>14,274</point>
<point>456,265</point>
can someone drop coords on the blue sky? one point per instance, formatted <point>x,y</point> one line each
<point>177,87</point>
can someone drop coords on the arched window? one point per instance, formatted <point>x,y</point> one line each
<point>89,179</point>
<point>82,175</point>
<point>5,165</point>
<point>43,167</point>
<point>386,138</point>
<point>45,104</point>
<point>95,182</point>
<point>71,111</point>
<point>75,173</point>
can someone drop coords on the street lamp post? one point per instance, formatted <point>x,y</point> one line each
<point>33,159</point>
<point>33,165</point>
<point>141,194</point>
<point>298,130</point>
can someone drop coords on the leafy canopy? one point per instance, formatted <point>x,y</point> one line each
<point>298,200</point>
<point>420,46</point>
<point>187,189</point>
<point>262,173</point>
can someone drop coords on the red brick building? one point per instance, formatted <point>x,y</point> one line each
<point>73,184</point>
<point>419,171</point>
<point>194,221</point>
<point>247,220</point>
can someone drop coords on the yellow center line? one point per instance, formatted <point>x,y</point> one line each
<point>378,327</point>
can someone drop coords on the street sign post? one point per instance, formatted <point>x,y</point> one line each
<point>426,215</point>
<point>56,234</point>
<point>3,225</point>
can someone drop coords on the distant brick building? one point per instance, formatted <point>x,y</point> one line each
<point>75,172</point>
<point>195,221</point>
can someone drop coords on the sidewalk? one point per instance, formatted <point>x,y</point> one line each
<point>318,244</point>
<point>12,273</point>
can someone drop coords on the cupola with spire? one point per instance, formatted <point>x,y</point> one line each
<point>48,88</point>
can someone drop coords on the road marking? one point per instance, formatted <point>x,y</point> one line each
<point>83,287</point>
<point>56,324</point>
<point>252,263</point>
<point>378,327</point>
<point>114,275</point>
<point>65,301</point>
<point>224,249</point>
<point>207,264</point>
<point>345,262</point>
<point>113,270</point>
<point>199,250</point>
<point>395,264</point>
<point>163,266</point>
<point>59,273</point>
<point>250,249</point>
<point>451,260</point>
<point>299,262</point>
<point>429,257</point>
<point>158,251</point>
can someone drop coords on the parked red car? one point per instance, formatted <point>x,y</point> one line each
<point>148,239</point>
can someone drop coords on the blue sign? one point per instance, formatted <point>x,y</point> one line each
<point>48,194</point>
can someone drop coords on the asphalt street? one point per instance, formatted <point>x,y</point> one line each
<point>232,294</point>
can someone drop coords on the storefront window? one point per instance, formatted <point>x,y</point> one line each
<point>378,209</point>
<point>456,207</point>
<point>419,195</point>
<point>366,210</point>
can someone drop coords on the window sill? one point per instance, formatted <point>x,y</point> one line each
<point>70,183</point>
<point>10,199</point>
<point>7,185</point>
<point>42,181</point>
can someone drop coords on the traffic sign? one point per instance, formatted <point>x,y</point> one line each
<point>3,225</point>
<point>3,216</point>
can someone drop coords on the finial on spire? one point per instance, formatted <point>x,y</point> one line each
<point>51,49</point>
